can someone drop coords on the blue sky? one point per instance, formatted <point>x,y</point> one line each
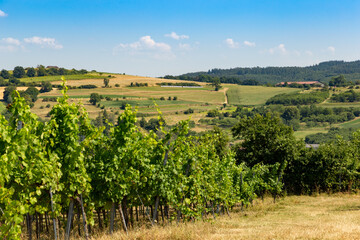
<point>154,38</point>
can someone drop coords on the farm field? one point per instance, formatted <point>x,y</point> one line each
<point>58,78</point>
<point>301,134</point>
<point>295,217</point>
<point>351,124</point>
<point>253,95</point>
<point>200,100</point>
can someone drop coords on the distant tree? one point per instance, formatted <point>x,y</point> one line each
<point>41,71</point>
<point>62,71</point>
<point>31,72</point>
<point>106,82</point>
<point>94,98</point>
<point>7,94</point>
<point>19,72</point>
<point>46,87</point>
<point>291,113</point>
<point>175,98</point>
<point>14,80</point>
<point>33,93</point>
<point>339,81</point>
<point>216,84</point>
<point>5,74</point>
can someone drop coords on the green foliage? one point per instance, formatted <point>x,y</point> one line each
<point>5,74</point>
<point>19,72</point>
<point>348,96</point>
<point>46,87</point>
<point>339,81</point>
<point>7,94</point>
<point>266,140</point>
<point>213,113</point>
<point>94,98</point>
<point>106,82</point>
<point>330,136</point>
<point>31,72</point>
<point>320,72</point>
<point>299,98</point>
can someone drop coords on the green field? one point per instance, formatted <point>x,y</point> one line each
<point>301,134</point>
<point>253,95</point>
<point>58,78</point>
<point>351,124</point>
<point>332,105</point>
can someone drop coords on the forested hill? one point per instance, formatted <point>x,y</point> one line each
<point>321,72</point>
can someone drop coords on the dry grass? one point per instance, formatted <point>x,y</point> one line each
<point>295,217</point>
<point>123,80</point>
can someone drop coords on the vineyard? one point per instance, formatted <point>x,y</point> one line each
<point>67,178</point>
<point>50,172</point>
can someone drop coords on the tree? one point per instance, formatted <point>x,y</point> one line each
<point>33,93</point>
<point>265,140</point>
<point>106,82</point>
<point>5,74</point>
<point>19,72</point>
<point>31,72</point>
<point>216,84</point>
<point>94,98</point>
<point>339,81</point>
<point>41,71</point>
<point>46,87</point>
<point>7,94</point>
<point>14,80</point>
<point>291,113</point>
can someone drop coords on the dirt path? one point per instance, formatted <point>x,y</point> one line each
<point>224,90</point>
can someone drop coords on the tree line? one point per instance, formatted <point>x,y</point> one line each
<point>322,72</point>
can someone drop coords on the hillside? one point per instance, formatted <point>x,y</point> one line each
<point>320,72</point>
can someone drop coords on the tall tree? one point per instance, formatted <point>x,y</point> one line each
<point>19,72</point>
<point>5,74</point>
<point>31,72</point>
<point>265,140</point>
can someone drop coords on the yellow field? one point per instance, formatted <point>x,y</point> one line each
<point>295,217</point>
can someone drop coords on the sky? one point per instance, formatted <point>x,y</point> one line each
<point>156,38</point>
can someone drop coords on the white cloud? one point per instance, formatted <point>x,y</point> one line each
<point>249,44</point>
<point>175,36</point>
<point>3,14</point>
<point>331,49</point>
<point>231,43</point>
<point>8,48</point>
<point>279,49</point>
<point>146,45</point>
<point>11,41</point>
<point>44,42</point>
<point>185,46</point>
<point>10,44</point>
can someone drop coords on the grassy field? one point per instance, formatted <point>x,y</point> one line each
<point>351,124</point>
<point>253,95</point>
<point>58,78</point>
<point>301,134</point>
<point>295,217</point>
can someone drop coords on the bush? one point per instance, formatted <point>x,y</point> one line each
<point>189,111</point>
<point>88,86</point>
<point>213,113</point>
